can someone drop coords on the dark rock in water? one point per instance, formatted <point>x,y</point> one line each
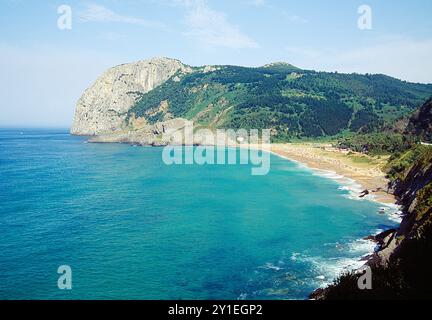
<point>318,294</point>
<point>364,193</point>
<point>158,144</point>
<point>371,237</point>
<point>366,257</point>
<point>402,262</point>
<point>383,237</point>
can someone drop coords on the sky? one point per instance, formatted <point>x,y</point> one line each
<point>45,66</point>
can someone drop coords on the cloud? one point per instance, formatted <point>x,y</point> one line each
<point>98,13</point>
<point>212,28</point>
<point>403,58</point>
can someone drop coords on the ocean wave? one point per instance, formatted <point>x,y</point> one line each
<point>326,269</point>
<point>392,212</point>
<point>307,269</point>
<point>270,266</point>
<point>354,189</point>
<point>349,185</point>
<point>299,164</point>
<point>362,247</point>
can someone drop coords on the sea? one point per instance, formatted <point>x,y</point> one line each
<point>129,226</point>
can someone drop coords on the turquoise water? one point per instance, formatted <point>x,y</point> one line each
<point>131,227</point>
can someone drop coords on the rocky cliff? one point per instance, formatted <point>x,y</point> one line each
<point>420,124</point>
<point>292,102</point>
<point>401,266</point>
<point>103,107</point>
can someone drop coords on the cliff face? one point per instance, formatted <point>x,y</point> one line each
<point>401,268</point>
<point>103,107</point>
<point>413,187</point>
<point>420,123</point>
<point>290,101</point>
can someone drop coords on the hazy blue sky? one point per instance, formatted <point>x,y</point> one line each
<point>44,69</point>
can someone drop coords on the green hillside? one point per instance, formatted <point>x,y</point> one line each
<point>402,265</point>
<point>294,103</point>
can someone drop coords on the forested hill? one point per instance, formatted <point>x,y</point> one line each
<point>295,103</point>
<point>420,123</point>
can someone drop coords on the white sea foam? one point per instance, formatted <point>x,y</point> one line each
<point>298,163</point>
<point>326,270</point>
<point>361,247</point>
<point>270,266</point>
<point>345,184</point>
<point>353,188</point>
<point>392,211</point>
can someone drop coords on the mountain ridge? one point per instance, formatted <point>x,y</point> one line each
<point>290,101</point>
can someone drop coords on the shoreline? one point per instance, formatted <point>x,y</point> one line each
<point>391,210</point>
<point>370,181</point>
<point>365,171</point>
<point>336,164</point>
<point>359,179</point>
<point>353,177</point>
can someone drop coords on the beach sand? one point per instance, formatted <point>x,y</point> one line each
<point>363,169</point>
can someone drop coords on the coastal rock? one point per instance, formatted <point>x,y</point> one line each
<point>402,261</point>
<point>364,193</point>
<point>420,123</point>
<point>159,134</point>
<point>103,107</point>
<point>176,131</point>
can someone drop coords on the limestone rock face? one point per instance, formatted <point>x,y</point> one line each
<point>102,108</point>
<point>158,134</point>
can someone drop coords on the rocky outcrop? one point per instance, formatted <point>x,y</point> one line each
<point>171,132</point>
<point>402,262</point>
<point>162,89</point>
<point>103,107</point>
<point>401,265</point>
<point>159,134</point>
<point>420,124</point>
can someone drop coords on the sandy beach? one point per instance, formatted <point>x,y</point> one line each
<point>365,170</point>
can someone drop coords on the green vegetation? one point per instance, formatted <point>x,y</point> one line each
<point>363,113</point>
<point>400,164</point>
<point>155,118</point>
<point>407,275</point>
<point>424,199</point>
<point>294,103</point>
<point>420,124</point>
<point>376,143</point>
